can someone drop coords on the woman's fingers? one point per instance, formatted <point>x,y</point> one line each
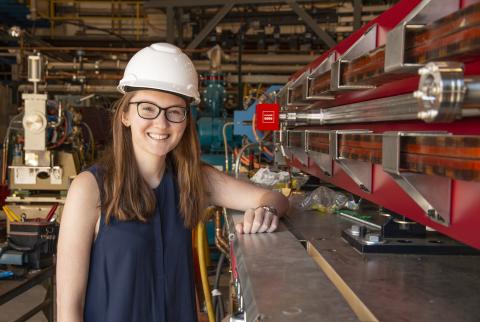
<point>257,220</point>
<point>248,221</point>
<point>267,221</point>
<point>259,214</point>
<point>239,228</point>
<point>273,225</point>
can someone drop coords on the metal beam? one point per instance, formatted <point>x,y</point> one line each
<point>357,14</point>
<point>203,3</point>
<point>322,34</point>
<point>170,24</point>
<point>210,25</point>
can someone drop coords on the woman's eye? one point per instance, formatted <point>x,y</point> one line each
<point>148,108</point>
<point>176,111</point>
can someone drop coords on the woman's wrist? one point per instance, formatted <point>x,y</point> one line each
<point>269,209</point>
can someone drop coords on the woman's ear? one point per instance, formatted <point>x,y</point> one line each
<point>125,120</point>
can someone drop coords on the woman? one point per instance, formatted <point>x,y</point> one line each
<point>124,250</point>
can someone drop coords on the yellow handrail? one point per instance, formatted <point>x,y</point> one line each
<point>202,262</point>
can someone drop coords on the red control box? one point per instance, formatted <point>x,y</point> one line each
<point>267,117</point>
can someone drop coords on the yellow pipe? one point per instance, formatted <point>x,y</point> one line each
<point>206,249</point>
<point>201,239</point>
<point>10,211</point>
<point>7,214</point>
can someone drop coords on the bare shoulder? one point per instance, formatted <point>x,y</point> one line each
<point>85,186</point>
<point>83,197</point>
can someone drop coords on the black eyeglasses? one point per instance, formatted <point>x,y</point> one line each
<point>150,111</point>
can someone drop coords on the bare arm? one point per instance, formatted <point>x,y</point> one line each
<point>77,230</point>
<point>228,192</point>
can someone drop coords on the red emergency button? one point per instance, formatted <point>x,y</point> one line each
<point>267,117</point>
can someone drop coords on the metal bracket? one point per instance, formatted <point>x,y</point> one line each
<point>395,50</point>
<point>278,157</point>
<point>299,153</point>
<point>284,144</point>
<point>359,171</point>
<point>366,43</point>
<point>322,68</point>
<point>299,82</point>
<point>323,160</point>
<point>281,97</point>
<point>432,193</point>
<point>425,12</point>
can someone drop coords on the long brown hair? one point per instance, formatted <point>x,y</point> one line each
<point>127,196</point>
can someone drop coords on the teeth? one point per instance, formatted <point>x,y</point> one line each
<point>156,136</point>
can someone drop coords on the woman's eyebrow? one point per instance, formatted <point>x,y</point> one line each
<point>147,101</point>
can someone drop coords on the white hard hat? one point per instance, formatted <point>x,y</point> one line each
<point>164,67</point>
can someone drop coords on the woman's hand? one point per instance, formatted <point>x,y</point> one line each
<point>259,220</point>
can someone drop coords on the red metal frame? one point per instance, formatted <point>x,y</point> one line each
<point>465,196</point>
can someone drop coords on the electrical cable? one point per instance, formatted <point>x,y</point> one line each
<point>224,132</point>
<point>6,142</point>
<point>203,270</point>
<point>218,298</point>
<point>92,139</point>
<point>64,136</point>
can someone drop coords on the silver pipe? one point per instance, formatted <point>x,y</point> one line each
<point>239,156</point>
<point>273,59</point>
<point>395,108</point>
<point>202,65</point>
<point>104,89</point>
<point>250,68</point>
<point>472,95</point>
<point>224,132</point>
<point>107,64</point>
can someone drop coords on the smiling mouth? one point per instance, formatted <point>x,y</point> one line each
<point>156,136</point>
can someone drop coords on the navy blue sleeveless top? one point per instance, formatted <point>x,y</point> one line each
<point>142,272</point>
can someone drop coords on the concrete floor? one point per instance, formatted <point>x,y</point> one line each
<point>21,304</point>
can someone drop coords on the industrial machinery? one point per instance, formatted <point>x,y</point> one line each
<point>39,163</point>
<point>212,118</point>
<point>41,157</point>
<point>391,114</point>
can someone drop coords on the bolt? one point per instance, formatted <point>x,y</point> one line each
<point>432,113</point>
<point>355,230</point>
<point>423,71</point>
<point>364,188</point>
<point>435,90</point>
<point>422,115</point>
<point>432,213</point>
<point>373,238</point>
<point>418,94</point>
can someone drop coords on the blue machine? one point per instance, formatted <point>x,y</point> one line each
<point>211,120</point>
<point>242,120</point>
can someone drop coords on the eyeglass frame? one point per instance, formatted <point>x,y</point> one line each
<point>160,109</point>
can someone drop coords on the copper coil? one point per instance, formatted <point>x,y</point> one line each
<point>456,36</point>
<point>320,84</point>
<point>460,19</point>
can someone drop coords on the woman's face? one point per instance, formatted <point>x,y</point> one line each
<point>155,135</point>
